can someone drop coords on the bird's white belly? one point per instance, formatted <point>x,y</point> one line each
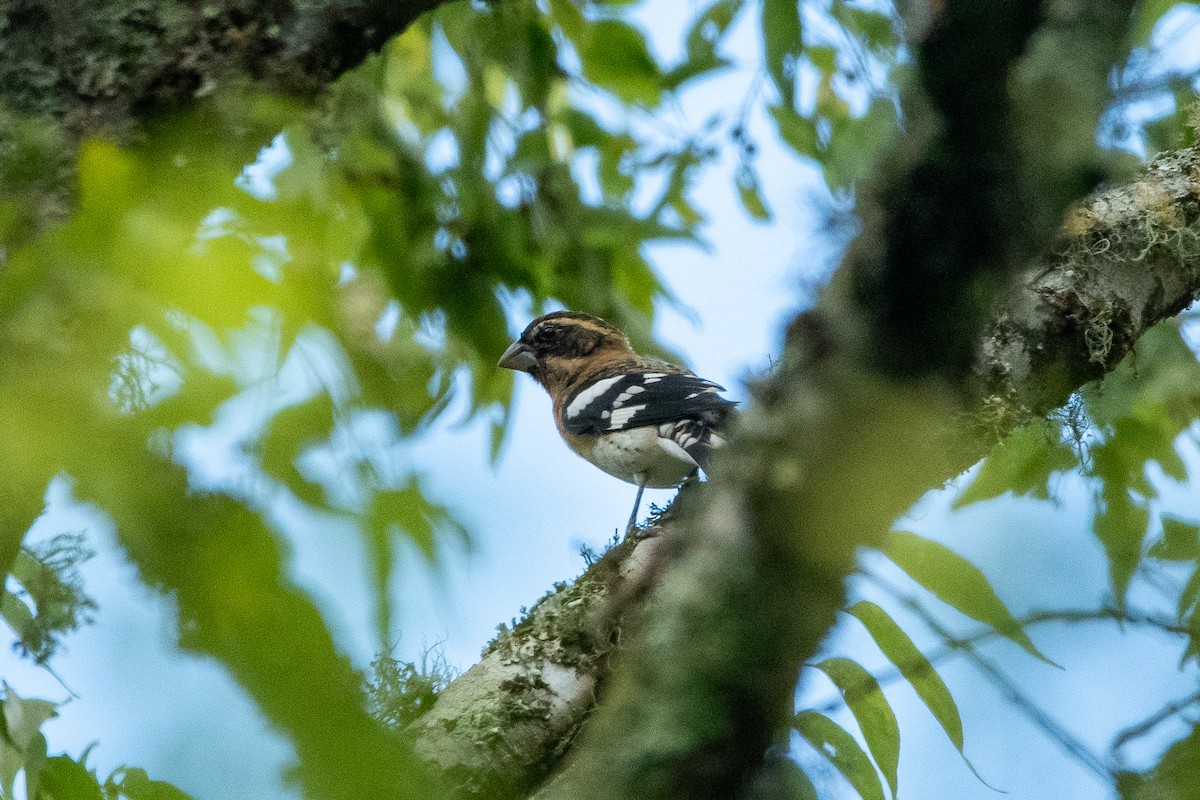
<point>637,452</point>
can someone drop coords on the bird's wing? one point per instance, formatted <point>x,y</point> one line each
<point>637,399</point>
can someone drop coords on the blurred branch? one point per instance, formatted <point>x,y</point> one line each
<point>956,645</point>
<point>1154,720</point>
<point>1070,743</point>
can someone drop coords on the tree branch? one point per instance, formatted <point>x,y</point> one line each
<point>754,583</point>
<point>1135,246</point>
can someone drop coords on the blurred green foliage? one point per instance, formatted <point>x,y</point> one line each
<point>304,269</point>
<point>301,270</point>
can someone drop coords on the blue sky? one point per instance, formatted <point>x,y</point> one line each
<point>184,720</point>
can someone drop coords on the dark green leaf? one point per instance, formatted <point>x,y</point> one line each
<point>831,741</point>
<point>797,132</point>
<point>855,143</point>
<point>916,669</point>
<point>1174,778</point>
<point>958,583</point>
<point>782,35</point>
<point>871,709</point>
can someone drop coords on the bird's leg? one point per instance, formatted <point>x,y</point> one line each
<point>637,501</point>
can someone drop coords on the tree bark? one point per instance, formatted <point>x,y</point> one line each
<point>76,68</point>
<point>870,405</point>
<point>1129,258</point>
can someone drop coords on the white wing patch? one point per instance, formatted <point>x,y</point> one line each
<point>622,416</point>
<point>624,396</point>
<point>590,394</point>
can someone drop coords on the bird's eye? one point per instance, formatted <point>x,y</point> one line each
<point>545,334</point>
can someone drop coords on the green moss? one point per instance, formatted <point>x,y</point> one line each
<point>399,692</point>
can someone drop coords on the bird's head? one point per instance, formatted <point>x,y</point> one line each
<point>555,347</point>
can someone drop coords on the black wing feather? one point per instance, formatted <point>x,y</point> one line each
<point>655,398</point>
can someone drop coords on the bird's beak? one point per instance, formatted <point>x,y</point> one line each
<point>519,357</point>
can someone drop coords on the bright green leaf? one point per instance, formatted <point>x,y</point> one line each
<point>871,709</point>
<point>843,751</point>
<point>958,583</point>
<point>1022,464</point>
<point>916,669</point>
<point>615,57</point>
<point>1180,540</point>
<point>65,779</point>
<point>1120,525</point>
<point>1145,16</point>
<point>750,193</point>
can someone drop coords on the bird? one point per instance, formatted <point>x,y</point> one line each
<point>640,419</point>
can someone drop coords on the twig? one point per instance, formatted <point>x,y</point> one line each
<point>1049,726</point>
<point>1149,723</point>
<point>1073,616</point>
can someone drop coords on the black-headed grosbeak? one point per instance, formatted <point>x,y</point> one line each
<point>639,419</point>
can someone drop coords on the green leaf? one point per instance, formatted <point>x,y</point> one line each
<point>958,583</point>
<point>16,614</point>
<point>833,742</point>
<point>1180,541</point>
<point>1120,525</point>
<point>694,68</point>
<point>23,719</point>
<point>855,143</point>
<point>1190,593</point>
<point>1120,461</point>
<point>135,784</point>
<point>709,27</point>
<point>871,709</point>
<point>1022,464</point>
<point>1161,377</point>
<point>1174,778</point>
<point>782,35</point>
<point>615,57</point>
<point>64,779</point>
<point>916,669</point>
<point>875,28</point>
<point>1145,17</point>
<point>750,193</point>
<point>22,746</point>
<point>797,132</point>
